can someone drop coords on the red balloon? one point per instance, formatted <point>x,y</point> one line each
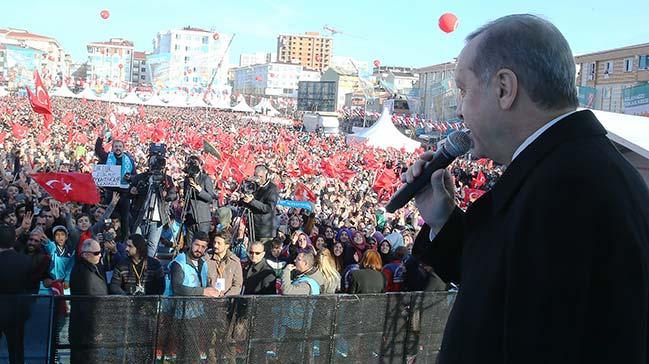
<point>448,22</point>
<point>216,36</point>
<point>120,66</point>
<point>318,58</point>
<point>377,63</point>
<point>258,78</point>
<point>104,14</point>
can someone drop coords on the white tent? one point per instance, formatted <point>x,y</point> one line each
<point>155,101</point>
<point>630,131</point>
<point>242,106</point>
<point>88,94</point>
<point>178,100</point>
<point>63,91</point>
<point>383,134</point>
<point>3,92</point>
<point>220,103</point>
<point>131,98</point>
<point>196,101</point>
<point>265,105</point>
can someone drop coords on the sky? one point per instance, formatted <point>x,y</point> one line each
<point>398,33</point>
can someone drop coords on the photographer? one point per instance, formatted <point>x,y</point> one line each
<point>260,197</point>
<point>117,157</point>
<point>151,193</point>
<point>199,194</point>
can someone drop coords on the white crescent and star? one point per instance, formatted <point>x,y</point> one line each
<point>41,96</point>
<point>67,187</point>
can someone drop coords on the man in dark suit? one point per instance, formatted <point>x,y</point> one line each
<point>87,279</point>
<point>258,277</point>
<point>262,205</point>
<point>553,262</point>
<point>16,278</point>
<point>199,200</point>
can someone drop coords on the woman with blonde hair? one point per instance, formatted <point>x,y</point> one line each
<point>327,267</point>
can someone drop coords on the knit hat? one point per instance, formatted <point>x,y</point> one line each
<point>60,227</point>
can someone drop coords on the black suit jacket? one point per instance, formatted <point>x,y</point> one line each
<point>200,204</point>
<point>553,262</point>
<point>86,280</point>
<point>263,210</point>
<point>259,279</point>
<point>16,278</point>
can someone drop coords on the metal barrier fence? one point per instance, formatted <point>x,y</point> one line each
<point>382,328</point>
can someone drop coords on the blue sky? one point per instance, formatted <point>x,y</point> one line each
<point>401,33</point>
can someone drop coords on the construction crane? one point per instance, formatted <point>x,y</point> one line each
<point>333,31</point>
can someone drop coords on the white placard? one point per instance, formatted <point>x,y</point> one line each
<point>107,176</point>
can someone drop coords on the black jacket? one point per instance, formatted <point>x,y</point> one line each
<point>125,281</point>
<point>87,280</point>
<point>553,262</point>
<point>367,281</point>
<point>200,204</point>
<point>141,182</point>
<point>259,279</point>
<point>263,210</point>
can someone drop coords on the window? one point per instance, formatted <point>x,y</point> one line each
<point>643,62</point>
<point>142,69</point>
<point>628,65</point>
<point>142,77</point>
<point>205,40</point>
<point>591,71</point>
<point>608,68</point>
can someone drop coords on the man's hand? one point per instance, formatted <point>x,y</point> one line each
<point>195,185</point>
<point>435,202</point>
<point>115,199</point>
<point>100,238</point>
<point>111,246</point>
<point>134,191</point>
<point>247,198</point>
<point>55,206</point>
<point>210,292</point>
<point>290,267</point>
<point>27,221</point>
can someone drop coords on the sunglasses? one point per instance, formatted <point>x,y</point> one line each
<point>255,253</point>
<point>94,253</point>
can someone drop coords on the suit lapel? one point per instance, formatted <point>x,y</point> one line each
<point>581,124</point>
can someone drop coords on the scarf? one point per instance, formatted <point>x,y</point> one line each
<point>127,165</point>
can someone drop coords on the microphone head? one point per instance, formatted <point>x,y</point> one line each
<point>457,143</point>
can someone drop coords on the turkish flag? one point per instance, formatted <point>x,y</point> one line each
<point>19,131</point>
<point>303,193</point>
<point>479,181</point>
<point>41,100</point>
<point>472,194</point>
<point>385,183</point>
<point>64,187</point>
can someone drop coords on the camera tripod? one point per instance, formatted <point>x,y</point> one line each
<point>190,194</point>
<point>243,216</point>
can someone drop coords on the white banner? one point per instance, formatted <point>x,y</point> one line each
<point>107,176</point>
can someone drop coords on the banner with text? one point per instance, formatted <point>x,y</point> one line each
<point>636,100</point>
<point>107,176</point>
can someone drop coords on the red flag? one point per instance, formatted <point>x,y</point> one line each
<point>19,131</point>
<point>479,181</point>
<point>64,187</point>
<point>41,100</point>
<point>303,193</point>
<point>385,183</point>
<point>471,194</point>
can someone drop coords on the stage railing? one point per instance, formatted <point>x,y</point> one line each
<point>381,328</point>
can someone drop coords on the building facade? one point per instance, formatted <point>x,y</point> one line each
<point>110,62</point>
<point>311,50</point>
<point>188,58</point>
<point>316,96</point>
<point>140,74</point>
<point>249,59</point>
<point>346,83</point>
<point>604,78</point>
<point>437,92</point>
<point>22,52</point>
<point>270,79</point>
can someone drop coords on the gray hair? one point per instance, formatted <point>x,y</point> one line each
<point>536,51</point>
<point>87,245</point>
<point>308,258</point>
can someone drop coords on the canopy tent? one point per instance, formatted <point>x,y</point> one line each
<point>630,131</point>
<point>265,105</point>
<point>110,96</point>
<point>242,106</point>
<point>131,98</point>
<point>64,91</point>
<point>383,134</point>
<point>88,94</point>
<point>220,103</point>
<point>3,92</point>
<point>178,100</point>
<point>155,101</point>
<point>196,101</point>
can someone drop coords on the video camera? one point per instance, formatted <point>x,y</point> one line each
<point>193,167</point>
<point>249,187</point>
<point>157,157</point>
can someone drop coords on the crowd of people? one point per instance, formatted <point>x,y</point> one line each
<point>242,207</point>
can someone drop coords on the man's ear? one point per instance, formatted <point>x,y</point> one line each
<point>506,87</point>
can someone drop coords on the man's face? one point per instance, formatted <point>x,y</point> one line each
<point>118,147</point>
<point>198,248</point>
<point>34,243</point>
<point>256,253</point>
<point>11,219</point>
<point>261,175</point>
<point>276,250</point>
<point>130,248</point>
<point>60,237</point>
<point>300,264</point>
<point>220,246</point>
<point>98,212</point>
<point>83,223</point>
<point>92,254</point>
<point>12,191</point>
<point>41,222</point>
<point>477,104</point>
<point>49,218</point>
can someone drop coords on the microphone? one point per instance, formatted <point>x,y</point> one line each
<point>455,145</point>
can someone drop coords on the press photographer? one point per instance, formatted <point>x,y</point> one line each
<point>260,196</point>
<point>151,193</point>
<point>199,194</point>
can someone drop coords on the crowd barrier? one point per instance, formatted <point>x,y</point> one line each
<point>377,328</point>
